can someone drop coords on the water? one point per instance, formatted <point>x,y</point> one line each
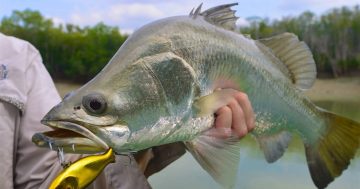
<point>290,171</point>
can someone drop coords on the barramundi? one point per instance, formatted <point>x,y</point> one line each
<point>162,86</point>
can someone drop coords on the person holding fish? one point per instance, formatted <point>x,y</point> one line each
<point>27,93</point>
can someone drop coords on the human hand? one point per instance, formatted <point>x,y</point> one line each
<point>236,118</point>
<point>153,160</point>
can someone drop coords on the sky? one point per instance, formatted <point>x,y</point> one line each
<point>129,15</point>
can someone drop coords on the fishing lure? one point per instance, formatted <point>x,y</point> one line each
<point>82,172</point>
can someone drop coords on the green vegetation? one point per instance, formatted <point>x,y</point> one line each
<point>75,53</point>
<point>334,38</point>
<point>69,52</point>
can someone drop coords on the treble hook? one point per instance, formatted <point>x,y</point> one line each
<point>60,154</point>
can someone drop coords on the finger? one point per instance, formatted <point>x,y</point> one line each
<point>223,122</point>
<point>238,119</point>
<point>223,117</point>
<point>221,132</point>
<point>245,104</point>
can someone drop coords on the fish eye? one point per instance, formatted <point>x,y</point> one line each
<point>94,103</point>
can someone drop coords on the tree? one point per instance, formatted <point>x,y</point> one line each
<point>69,52</point>
<point>334,37</point>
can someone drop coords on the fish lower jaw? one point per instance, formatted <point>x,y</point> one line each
<point>70,137</point>
<point>78,145</point>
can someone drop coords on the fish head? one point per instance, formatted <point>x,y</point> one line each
<point>142,84</point>
<point>80,121</point>
<point>110,113</point>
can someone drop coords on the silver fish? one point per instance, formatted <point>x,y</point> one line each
<point>160,86</point>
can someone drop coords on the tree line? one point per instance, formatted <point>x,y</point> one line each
<point>69,52</point>
<point>75,53</point>
<point>334,37</point>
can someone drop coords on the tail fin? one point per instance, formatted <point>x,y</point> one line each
<point>332,153</point>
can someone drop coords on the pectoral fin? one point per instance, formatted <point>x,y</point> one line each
<point>219,157</point>
<point>208,105</point>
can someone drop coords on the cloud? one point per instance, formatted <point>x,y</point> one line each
<point>126,31</point>
<point>241,22</point>
<point>56,20</point>
<point>314,4</point>
<point>77,18</point>
<point>124,15</point>
<point>131,15</point>
<point>135,10</point>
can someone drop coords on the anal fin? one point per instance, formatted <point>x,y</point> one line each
<point>219,157</point>
<point>275,145</point>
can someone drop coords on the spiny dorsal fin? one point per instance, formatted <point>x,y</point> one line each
<point>296,56</point>
<point>221,15</point>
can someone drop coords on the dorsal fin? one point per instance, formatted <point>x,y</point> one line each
<point>296,56</point>
<point>221,15</point>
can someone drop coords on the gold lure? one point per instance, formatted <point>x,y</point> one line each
<point>83,171</point>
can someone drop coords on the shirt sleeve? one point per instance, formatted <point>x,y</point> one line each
<point>9,118</point>
<point>35,167</point>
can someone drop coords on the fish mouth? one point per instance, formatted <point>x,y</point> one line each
<point>70,137</point>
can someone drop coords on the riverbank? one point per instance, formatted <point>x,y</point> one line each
<point>65,87</point>
<point>340,89</point>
